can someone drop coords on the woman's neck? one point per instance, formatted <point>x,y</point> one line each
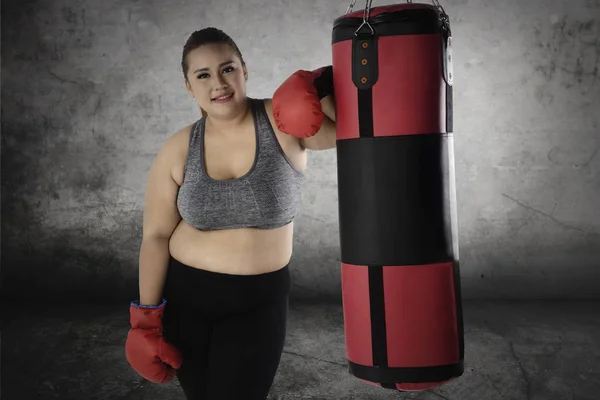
<point>231,123</point>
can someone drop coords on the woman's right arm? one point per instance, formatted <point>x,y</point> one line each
<point>161,217</point>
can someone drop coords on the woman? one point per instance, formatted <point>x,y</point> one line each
<point>221,198</point>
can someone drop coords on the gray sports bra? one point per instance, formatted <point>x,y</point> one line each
<point>267,197</point>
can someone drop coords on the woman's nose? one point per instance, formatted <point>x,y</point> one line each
<point>219,81</point>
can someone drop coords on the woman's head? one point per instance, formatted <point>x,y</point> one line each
<point>213,67</point>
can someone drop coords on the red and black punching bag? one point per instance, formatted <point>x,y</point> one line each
<point>398,228</point>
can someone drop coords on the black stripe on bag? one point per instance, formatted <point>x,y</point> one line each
<point>364,76</point>
<point>378,325</point>
<point>365,113</point>
<point>365,72</point>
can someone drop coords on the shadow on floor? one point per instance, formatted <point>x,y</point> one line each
<point>514,350</point>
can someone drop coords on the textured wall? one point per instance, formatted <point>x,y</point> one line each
<point>90,90</point>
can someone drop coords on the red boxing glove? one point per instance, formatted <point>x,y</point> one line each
<point>297,102</point>
<point>147,351</point>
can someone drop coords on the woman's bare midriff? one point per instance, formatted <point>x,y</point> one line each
<point>236,251</point>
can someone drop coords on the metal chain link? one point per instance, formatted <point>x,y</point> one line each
<point>366,16</point>
<point>443,16</point>
<point>351,6</point>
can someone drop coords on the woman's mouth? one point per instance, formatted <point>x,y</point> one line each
<point>223,99</point>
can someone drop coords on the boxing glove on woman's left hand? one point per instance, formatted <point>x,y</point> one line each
<point>297,102</point>
<point>147,351</point>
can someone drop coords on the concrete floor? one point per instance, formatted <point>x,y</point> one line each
<point>514,350</point>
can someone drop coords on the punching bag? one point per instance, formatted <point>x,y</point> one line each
<point>401,294</point>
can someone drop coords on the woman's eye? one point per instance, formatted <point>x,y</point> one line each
<point>226,70</point>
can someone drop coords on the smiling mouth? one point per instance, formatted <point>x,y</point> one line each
<point>224,97</point>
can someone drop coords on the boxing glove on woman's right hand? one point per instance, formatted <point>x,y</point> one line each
<point>147,351</point>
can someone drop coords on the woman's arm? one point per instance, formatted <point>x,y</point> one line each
<point>154,259</point>
<point>161,217</point>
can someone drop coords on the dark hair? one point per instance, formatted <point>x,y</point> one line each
<point>207,36</point>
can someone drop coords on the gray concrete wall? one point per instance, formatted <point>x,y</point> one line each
<point>91,89</point>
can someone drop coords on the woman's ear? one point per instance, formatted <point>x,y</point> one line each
<point>188,87</point>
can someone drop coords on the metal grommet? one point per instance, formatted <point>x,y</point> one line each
<point>363,61</point>
<point>365,45</point>
<point>363,80</point>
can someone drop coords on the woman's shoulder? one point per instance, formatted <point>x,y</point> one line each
<point>268,105</point>
<point>269,110</point>
<point>174,151</point>
<point>179,140</point>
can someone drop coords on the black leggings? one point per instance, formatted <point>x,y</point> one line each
<point>230,330</point>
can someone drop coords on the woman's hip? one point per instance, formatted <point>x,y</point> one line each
<point>217,294</point>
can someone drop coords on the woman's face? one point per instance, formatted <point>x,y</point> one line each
<point>217,79</point>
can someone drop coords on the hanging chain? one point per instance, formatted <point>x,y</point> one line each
<point>351,6</point>
<point>366,15</point>
<point>444,18</point>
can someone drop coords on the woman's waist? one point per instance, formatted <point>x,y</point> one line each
<point>236,251</point>
<point>216,294</point>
